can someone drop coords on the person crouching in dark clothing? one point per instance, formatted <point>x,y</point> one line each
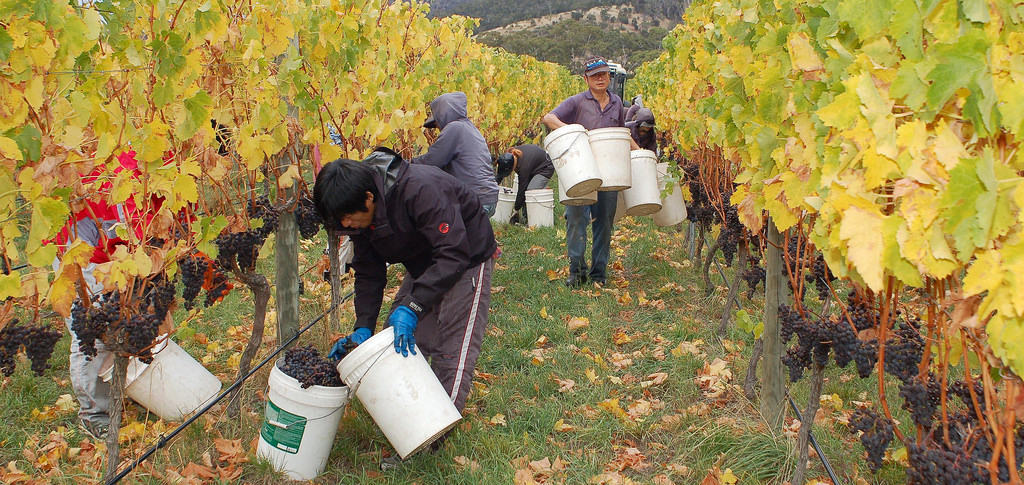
<point>424,218</point>
<point>642,130</point>
<point>533,167</point>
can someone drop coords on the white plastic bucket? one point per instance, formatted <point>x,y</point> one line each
<point>569,149</point>
<point>585,199</point>
<point>643,198</point>
<point>540,205</point>
<point>506,204</point>
<point>611,153</point>
<point>172,386</point>
<point>402,394</point>
<point>299,425</point>
<point>673,208</point>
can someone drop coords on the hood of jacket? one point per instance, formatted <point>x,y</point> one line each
<point>448,107</point>
<point>644,115</point>
<point>386,164</point>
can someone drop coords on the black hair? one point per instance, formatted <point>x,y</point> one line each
<point>340,190</point>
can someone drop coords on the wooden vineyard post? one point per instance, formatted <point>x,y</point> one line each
<point>773,387</point>
<point>287,246</point>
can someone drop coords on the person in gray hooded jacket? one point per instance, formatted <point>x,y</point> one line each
<point>460,149</point>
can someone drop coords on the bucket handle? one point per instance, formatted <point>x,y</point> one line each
<point>544,205</point>
<point>355,386</point>
<point>578,135</point>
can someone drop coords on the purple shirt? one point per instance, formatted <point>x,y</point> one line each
<point>583,109</point>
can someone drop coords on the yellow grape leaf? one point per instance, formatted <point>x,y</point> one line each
<point>801,54</point>
<point>862,231</point>
<point>9,149</point>
<point>10,285</point>
<point>591,375</point>
<point>143,262</point>
<point>544,313</point>
<point>34,92</point>
<point>728,477</point>
<point>498,420</point>
<point>288,178</point>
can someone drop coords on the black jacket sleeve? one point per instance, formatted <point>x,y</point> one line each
<point>371,278</point>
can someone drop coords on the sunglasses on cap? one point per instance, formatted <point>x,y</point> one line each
<point>596,64</point>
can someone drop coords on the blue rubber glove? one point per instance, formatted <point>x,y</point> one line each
<point>403,320</point>
<point>343,344</point>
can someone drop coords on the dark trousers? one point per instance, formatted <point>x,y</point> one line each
<point>450,334</point>
<point>600,215</point>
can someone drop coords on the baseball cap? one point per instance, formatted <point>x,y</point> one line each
<point>595,65</point>
<point>505,164</point>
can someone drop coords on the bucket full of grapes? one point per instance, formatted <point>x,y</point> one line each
<point>304,406</point>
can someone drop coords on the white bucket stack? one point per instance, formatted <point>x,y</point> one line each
<point>402,394</point>
<point>299,425</point>
<point>506,204</point>
<point>570,152</point>
<point>540,205</point>
<point>611,154</point>
<point>643,198</point>
<point>172,386</point>
<point>585,199</point>
<point>673,209</point>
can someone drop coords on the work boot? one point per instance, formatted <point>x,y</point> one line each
<point>575,280</point>
<point>392,462</point>
<point>96,431</point>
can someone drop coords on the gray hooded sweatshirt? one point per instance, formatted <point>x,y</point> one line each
<point>460,149</point>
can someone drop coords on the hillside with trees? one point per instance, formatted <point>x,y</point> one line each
<point>566,31</point>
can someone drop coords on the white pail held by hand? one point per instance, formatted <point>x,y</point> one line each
<point>402,394</point>
<point>569,149</point>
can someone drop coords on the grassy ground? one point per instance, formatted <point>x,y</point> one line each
<point>623,384</point>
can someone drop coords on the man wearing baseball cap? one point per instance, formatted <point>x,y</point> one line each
<point>593,108</point>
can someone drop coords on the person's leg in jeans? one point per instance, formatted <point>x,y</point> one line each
<point>604,217</point>
<point>92,392</point>
<point>577,218</point>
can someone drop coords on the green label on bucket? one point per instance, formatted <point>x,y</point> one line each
<point>281,429</point>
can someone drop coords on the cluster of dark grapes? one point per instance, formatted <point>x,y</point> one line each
<point>731,233</point>
<point>90,323</point>
<point>753,275</point>
<point>903,350</point>
<point>699,209</point>
<point>921,397</point>
<point>877,435</point>
<point>817,339</point>
<point>133,328</point>
<point>821,276</point>
<point>243,247</point>
<point>36,341</point>
<point>307,218</point>
<point>305,365</point>
<point>198,273</point>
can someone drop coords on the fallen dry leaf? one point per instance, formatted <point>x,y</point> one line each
<point>498,420</point>
<point>576,323</point>
<point>565,385</point>
<point>466,463</point>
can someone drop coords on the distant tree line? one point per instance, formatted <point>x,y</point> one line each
<point>494,14</point>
